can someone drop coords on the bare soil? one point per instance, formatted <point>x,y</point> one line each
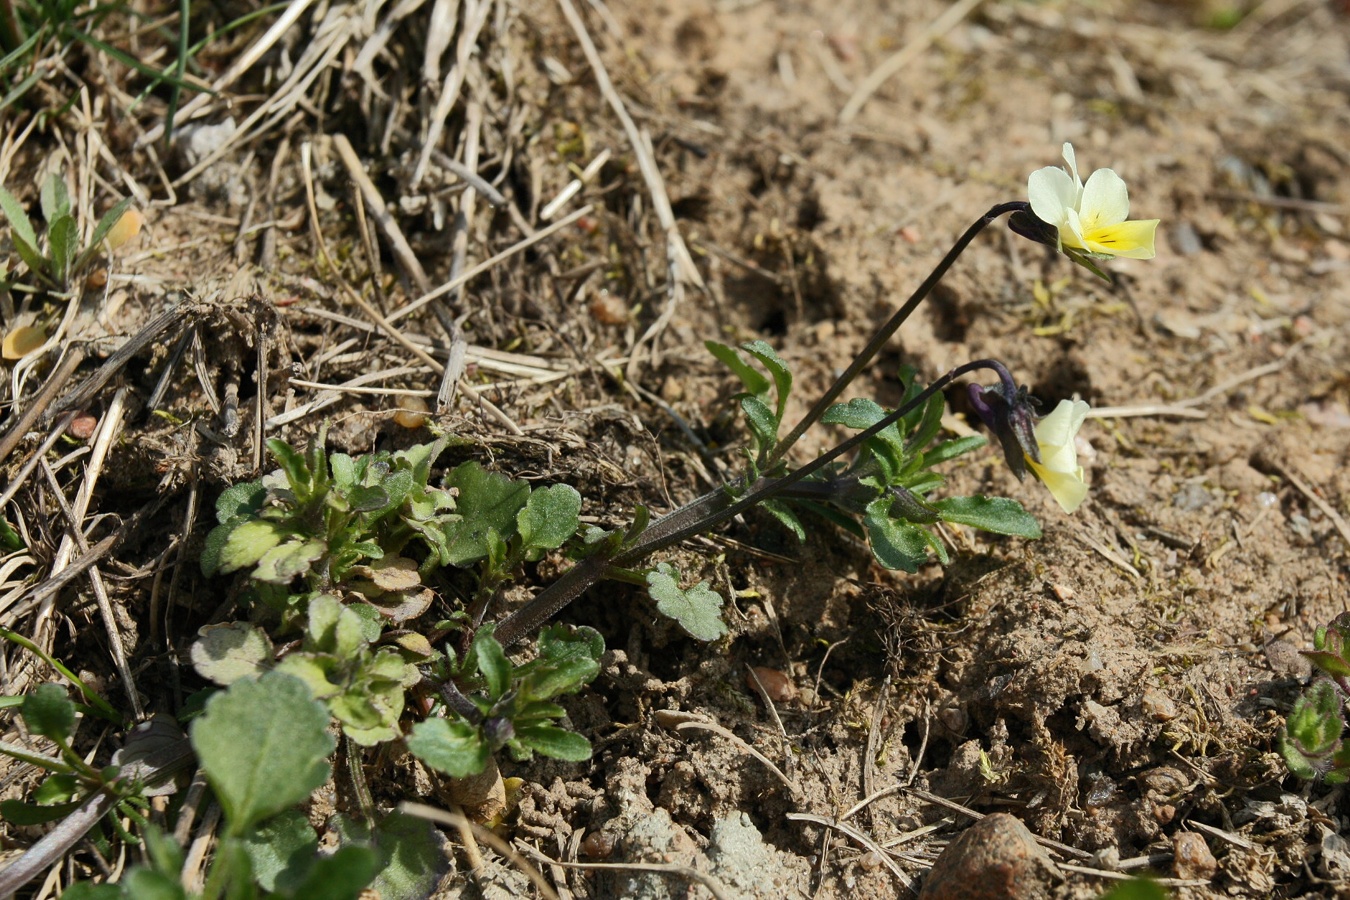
<point>1119,682</point>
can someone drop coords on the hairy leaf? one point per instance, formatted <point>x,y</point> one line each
<point>451,746</point>
<point>698,610</point>
<point>263,744</point>
<point>226,653</point>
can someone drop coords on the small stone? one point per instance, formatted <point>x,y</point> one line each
<point>1063,592</point>
<point>82,427</point>
<point>777,686</point>
<point>1157,705</point>
<point>997,858</point>
<point>1191,856</point>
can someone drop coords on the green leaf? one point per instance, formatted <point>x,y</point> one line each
<point>18,814</point>
<point>550,517</point>
<point>54,199</point>
<point>929,425</point>
<point>240,544</point>
<point>999,515</point>
<point>784,514</point>
<point>63,237</point>
<point>281,850</point>
<point>240,500</point>
<point>294,466</point>
<point>145,884</point>
<point>451,746</point>
<point>486,502</point>
<point>59,788</point>
<point>896,544</point>
<point>1136,889</point>
<point>861,414</point>
<point>492,663</point>
<point>411,859</point>
<point>48,711</point>
<point>554,742</point>
<point>280,564</point>
<point>263,745</point>
<point>342,876</point>
<point>101,230</point>
<point>782,375</point>
<point>1329,663</point>
<point>763,423</point>
<point>698,610</point>
<point>952,449</point>
<point>87,890</point>
<point>226,653</point>
<point>754,382</point>
<point>19,223</point>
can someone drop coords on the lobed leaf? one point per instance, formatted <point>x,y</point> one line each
<point>698,610</point>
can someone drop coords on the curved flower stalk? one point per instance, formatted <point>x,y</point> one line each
<point>1058,466</point>
<point>1090,221</point>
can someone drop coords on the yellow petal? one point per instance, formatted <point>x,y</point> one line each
<point>1133,239</point>
<point>22,341</point>
<point>127,227</point>
<point>1068,488</point>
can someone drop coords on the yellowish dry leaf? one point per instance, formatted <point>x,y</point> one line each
<point>22,341</point>
<point>126,228</point>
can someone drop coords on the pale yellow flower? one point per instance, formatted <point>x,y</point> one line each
<point>1091,218</point>
<point>1059,469</point>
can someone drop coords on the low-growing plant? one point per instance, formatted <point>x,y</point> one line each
<point>1313,743</point>
<point>58,257</point>
<point>336,556</point>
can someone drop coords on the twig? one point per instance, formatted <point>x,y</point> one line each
<point>398,244</point>
<point>255,52</point>
<point>1065,849</point>
<point>1327,509</point>
<point>444,817</point>
<point>484,266</point>
<point>902,57</point>
<point>862,839</point>
<point>459,245</point>
<point>38,408</point>
<point>708,880</point>
<point>681,262</point>
<point>681,722</point>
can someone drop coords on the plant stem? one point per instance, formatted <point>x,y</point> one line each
<point>700,515</point>
<point>892,325</point>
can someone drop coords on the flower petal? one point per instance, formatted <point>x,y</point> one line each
<point>1068,488</point>
<point>1072,160</point>
<point>1051,192</point>
<point>1105,200</point>
<point>1058,428</point>
<point>1133,240</point>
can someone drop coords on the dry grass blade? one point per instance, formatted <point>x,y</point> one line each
<point>690,722</point>
<point>444,817</point>
<point>711,882</point>
<point>242,64</point>
<point>681,263</point>
<point>398,244</point>
<point>864,840</point>
<point>892,65</point>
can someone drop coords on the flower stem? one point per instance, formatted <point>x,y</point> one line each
<point>892,325</point>
<point>698,516</point>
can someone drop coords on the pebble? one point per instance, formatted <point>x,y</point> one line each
<point>777,686</point>
<point>997,858</point>
<point>1191,856</point>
